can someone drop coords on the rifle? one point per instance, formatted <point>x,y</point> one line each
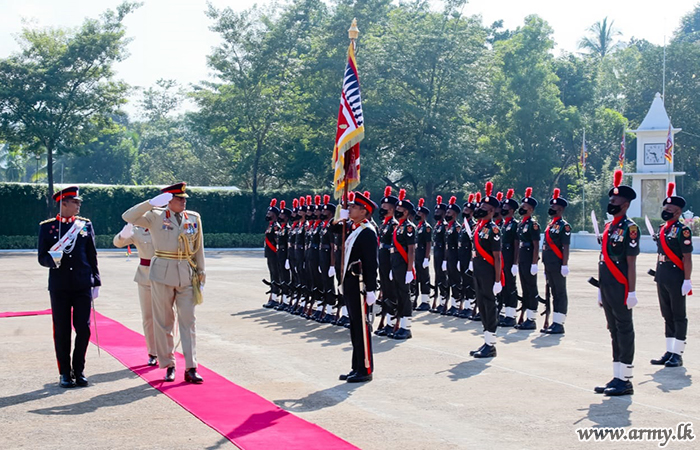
<point>547,303</point>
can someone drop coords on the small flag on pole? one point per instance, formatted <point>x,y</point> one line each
<point>668,153</point>
<point>623,146</point>
<point>584,152</point>
<point>350,130</point>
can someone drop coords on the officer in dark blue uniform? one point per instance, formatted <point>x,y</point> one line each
<point>74,281</point>
<point>439,261</point>
<point>465,261</point>
<point>386,279</point>
<point>271,251</point>
<point>509,230</point>
<point>528,254</point>
<point>423,238</point>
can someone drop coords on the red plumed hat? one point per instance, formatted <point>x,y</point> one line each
<point>510,194</point>
<point>421,202</point>
<point>477,197</point>
<point>402,194</point>
<point>499,196</point>
<point>387,191</point>
<point>488,189</point>
<point>620,189</point>
<point>326,199</point>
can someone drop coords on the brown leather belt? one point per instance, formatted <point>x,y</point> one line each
<point>145,262</point>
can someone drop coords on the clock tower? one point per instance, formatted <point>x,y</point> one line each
<point>654,172</point>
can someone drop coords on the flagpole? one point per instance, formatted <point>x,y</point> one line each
<point>583,179</point>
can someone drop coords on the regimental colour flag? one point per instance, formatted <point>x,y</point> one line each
<point>668,153</point>
<point>584,152</point>
<point>623,146</point>
<point>350,130</point>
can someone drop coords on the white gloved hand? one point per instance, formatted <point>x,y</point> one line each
<point>687,287</point>
<point>127,231</point>
<point>95,292</point>
<point>533,269</point>
<point>391,275</point>
<point>600,299</point>
<point>426,263</point>
<point>331,271</point>
<point>319,269</point>
<point>514,269</point>
<point>459,266</point>
<point>344,214</point>
<point>286,264</point>
<point>409,276</point>
<point>161,199</point>
<point>564,271</point>
<point>444,266</point>
<point>497,288</point>
<point>631,300</point>
<point>371,298</point>
<point>471,266</point>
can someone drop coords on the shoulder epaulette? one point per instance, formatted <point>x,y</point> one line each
<point>82,218</point>
<point>47,221</point>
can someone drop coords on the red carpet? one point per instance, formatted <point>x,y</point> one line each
<point>243,417</point>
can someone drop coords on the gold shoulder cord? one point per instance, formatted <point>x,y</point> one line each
<point>189,246</point>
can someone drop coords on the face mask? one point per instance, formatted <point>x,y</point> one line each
<point>437,216</point>
<point>666,215</point>
<point>382,212</point>
<point>522,211</point>
<point>480,213</point>
<point>449,217</point>
<point>496,215</point>
<point>614,209</point>
<point>551,212</point>
<point>398,215</point>
<point>268,218</point>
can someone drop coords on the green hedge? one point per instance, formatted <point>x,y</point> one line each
<point>211,240</point>
<point>223,212</point>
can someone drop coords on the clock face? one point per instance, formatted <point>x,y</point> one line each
<point>654,154</point>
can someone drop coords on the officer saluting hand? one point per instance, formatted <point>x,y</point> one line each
<point>67,247</point>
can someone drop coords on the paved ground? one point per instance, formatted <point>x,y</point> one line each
<point>427,392</point>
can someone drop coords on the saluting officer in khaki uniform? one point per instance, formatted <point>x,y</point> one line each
<point>177,273</point>
<point>141,239</point>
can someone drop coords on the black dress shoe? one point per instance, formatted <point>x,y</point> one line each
<point>507,322</point>
<point>66,381</point>
<point>487,351</point>
<point>191,376</point>
<point>473,352</point>
<point>382,331</point>
<point>529,324</point>
<point>440,309</point>
<point>390,332</point>
<point>465,313</point>
<point>661,361</point>
<point>345,376</point>
<point>80,379</point>
<point>601,389</point>
<point>343,321</point>
<point>676,360</point>
<point>169,374</point>
<point>619,388</point>
<point>152,360</point>
<point>475,317</point>
<point>453,311</point>
<point>270,304</point>
<point>328,318</point>
<point>423,307</point>
<point>357,378</point>
<point>555,328</point>
<point>402,334</point>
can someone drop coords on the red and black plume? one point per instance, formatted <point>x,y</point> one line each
<point>402,194</point>
<point>273,203</point>
<point>528,192</point>
<point>438,199</point>
<point>670,188</point>
<point>499,196</point>
<point>283,204</point>
<point>488,189</point>
<point>317,200</point>
<point>510,194</point>
<point>617,178</point>
<point>470,199</point>
<point>555,194</point>
<point>326,199</point>
<point>387,191</point>
<point>421,202</point>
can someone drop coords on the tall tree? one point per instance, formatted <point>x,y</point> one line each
<point>601,39</point>
<point>58,92</point>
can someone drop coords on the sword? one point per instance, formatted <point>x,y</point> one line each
<point>595,225</point>
<point>469,229</point>
<point>650,228</point>
<point>97,336</point>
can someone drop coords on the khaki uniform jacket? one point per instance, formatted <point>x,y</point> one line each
<point>165,232</point>
<point>141,239</point>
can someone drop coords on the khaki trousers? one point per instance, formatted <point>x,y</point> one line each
<point>165,299</point>
<point>147,318</point>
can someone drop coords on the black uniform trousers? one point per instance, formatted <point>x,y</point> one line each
<point>299,262</point>
<point>294,277</point>
<point>510,289</point>
<point>618,316</point>
<point>669,279</point>
<point>466,277</point>
<point>422,273</point>
<point>313,279</point>
<point>273,267</point>
<point>453,276</point>
<point>440,275</point>
<point>324,259</point>
<point>484,279</point>
<point>353,299</point>
<point>338,271</point>
<point>528,282</point>
<point>389,296</point>
<point>404,307</point>
<point>557,283</point>
<point>284,275</point>
<point>64,304</point>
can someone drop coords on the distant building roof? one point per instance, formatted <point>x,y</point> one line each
<point>657,117</point>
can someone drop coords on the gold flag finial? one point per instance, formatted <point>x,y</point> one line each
<point>353,31</point>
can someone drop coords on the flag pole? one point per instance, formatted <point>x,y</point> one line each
<point>583,179</point>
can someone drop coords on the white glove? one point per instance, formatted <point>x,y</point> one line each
<point>600,299</point>
<point>127,231</point>
<point>286,264</point>
<point>426,263</point>
<point>471,266</point>
<point>371,298</point>
<point>564,271</point>
<point>459,266</point>
<point>161,199</point>
<point>444,266</point>
<point>409,276</point>
<point>344,214</point>
<point>331,271</point>
<point>632,300</point>
<point>533,269</point>
<point>319,269</point>
<point>687,287</point>
<point>95,292</point>
<point>497,288</point>
<point>391,275</point>
<point>514,269</point>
